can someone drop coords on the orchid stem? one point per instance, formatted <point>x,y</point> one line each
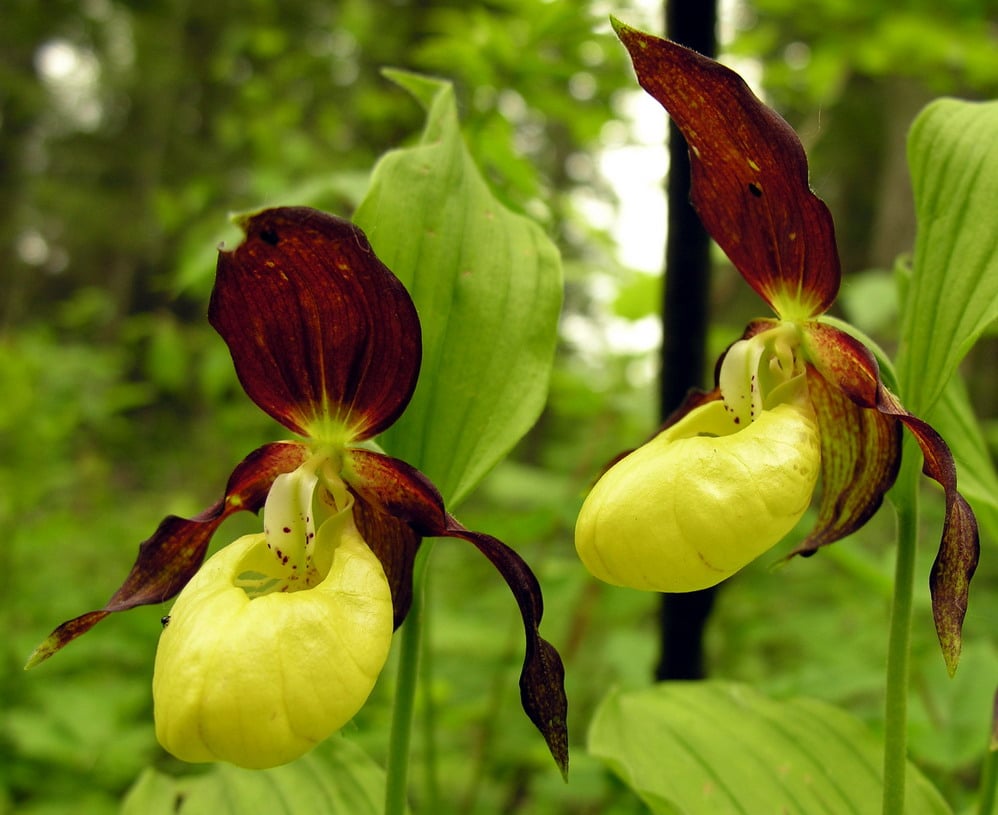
<point>905,495</point>
<point>431,784</point>
<point>410,636</point>
<point>989,781</point>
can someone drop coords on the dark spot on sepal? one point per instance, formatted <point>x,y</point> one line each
<point>755,189</point>
<point>269,236</point>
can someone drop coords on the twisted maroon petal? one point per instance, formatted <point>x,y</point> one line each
<point>403,492</point>
<point>168,559</point>
<point>395,543</point>
<point>323,336</point>
<point>860,457</point>
<point>850,366</point>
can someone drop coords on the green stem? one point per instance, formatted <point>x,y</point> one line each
<point>989,780</point>
<point>905,496</point>
<point>431,793</point>
<point>410,635</point>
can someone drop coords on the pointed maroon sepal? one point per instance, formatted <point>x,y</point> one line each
<point>749,176</point>
<point>849,366</point>
<point>168,559</point>
<point>323,336</point>
<point>403,492</point>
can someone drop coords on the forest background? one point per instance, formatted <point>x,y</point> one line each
<point>129,131</point>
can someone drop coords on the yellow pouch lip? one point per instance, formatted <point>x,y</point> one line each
<point>258,682</point>
<point>700,500</point>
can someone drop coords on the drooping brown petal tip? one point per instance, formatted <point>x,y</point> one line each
<point>959,549</point>
<point>542,679</point>
<point>749,176</point>
<point>174,552</point>
<point>323,336</point>
<point>847,364</point>
<point>402,491</point>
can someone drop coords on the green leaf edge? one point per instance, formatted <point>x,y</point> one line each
<point>922,797</point>
<point>436,96</point>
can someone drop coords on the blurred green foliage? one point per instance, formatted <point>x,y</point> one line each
<point>129,129</point>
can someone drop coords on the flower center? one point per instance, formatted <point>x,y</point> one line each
<point>302,516</point>
<point>761,372</point>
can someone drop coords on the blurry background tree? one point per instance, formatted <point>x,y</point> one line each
<point>129,129</point>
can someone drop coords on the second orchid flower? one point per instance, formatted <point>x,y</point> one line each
<point>798,401</point>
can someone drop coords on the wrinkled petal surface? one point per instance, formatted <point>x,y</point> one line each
<point>403,492</point>
<point>700,500</point>
<point>258,682</point>
<point>749,179</point>
<point>847,364</point>
<point>860,457</point>
<point>323,336</point>
<point>168,559</point>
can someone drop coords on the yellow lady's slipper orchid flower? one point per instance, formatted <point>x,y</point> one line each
<point>278,639</point>
<point>714,490</point>
<point>797,400</point>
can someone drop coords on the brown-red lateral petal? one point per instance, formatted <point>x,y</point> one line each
<point>174,552</point>
<point>402,491</point>
<point>748,175</point>
<point>849,365</point>
<point>395,544</point>
<point>860,456</point>
<point>323,336</point>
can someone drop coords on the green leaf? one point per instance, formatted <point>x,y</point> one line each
<point>720,747</point>
<point>487,285</point>
<point>336,777</point>
<point>948,722</point>
<point>953,295</point>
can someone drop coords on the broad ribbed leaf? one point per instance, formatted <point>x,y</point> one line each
<point>688,748</point>
<point>336,777</point>
<point>748,176</point>
<point>487,285</point>
<point>953,293</point>
<point>323,336</point>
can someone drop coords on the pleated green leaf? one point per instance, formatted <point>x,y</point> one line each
<point>953,295</point>
<point>336,777</point>
<point>487,285</point>
<point>713,748</point>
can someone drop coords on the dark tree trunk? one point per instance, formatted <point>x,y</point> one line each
<point>684,319</point>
